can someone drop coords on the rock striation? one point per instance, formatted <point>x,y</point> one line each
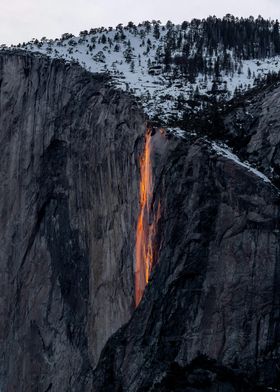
<point>69,152</point>
<point>70,149</point>
<point>209,318</point>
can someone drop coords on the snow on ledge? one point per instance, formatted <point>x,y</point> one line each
<point>177,132</point>
<point>228,154</point>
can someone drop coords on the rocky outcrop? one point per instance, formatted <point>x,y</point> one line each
<point>252,128</point>
<point>214,294</point>
<point>68,195</point>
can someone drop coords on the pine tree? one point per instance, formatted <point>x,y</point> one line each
<point>156,33</point>
<point>167,58</point>
<point>132,67</point>
<point>103,39</point>
<point>276,37</point>
<point>249,73</point>
<point>217,68</point>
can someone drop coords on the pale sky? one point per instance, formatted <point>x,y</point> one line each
<point>21,20</point>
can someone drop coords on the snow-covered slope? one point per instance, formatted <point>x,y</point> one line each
<point>149,61</point>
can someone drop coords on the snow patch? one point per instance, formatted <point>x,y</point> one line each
<point>134,57</point>
<point>177,132</point>
<point>228,154</point>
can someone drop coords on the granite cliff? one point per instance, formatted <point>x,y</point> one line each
<point>70,157</point>
<point>213,294</point>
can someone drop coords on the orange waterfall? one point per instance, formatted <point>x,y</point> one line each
<point>146,226</point>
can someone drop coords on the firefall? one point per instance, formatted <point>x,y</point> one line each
<point>146,226</point>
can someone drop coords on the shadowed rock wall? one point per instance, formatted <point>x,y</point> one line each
<point>214,293</point>
<point>69,179</point>
<point>69,147</point>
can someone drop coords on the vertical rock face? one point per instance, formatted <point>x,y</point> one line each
<point>214,294</point>
<point>253,129</point>
<point>69,149</point>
